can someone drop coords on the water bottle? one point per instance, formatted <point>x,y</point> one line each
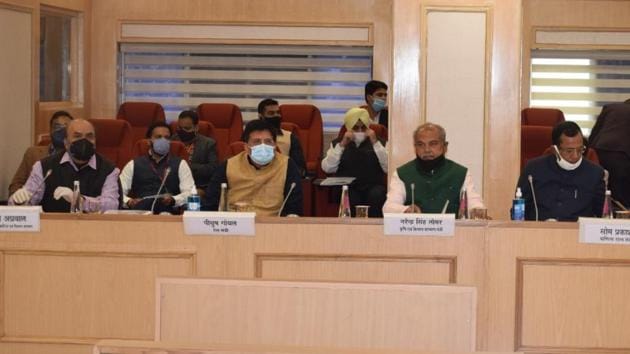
<point>193,202</point>
<point>76,205</point>
<point>518,206</point>
<point>344,203</point>
<point>463,205</point>
<point>607,212</point>
<point>223,200</point>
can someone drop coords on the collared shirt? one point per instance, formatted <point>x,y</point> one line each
<point>397,195</point>
<point>330,163</point>
<point>186,182</point>
<point>108,199</point>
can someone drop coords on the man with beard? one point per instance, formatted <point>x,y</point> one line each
<point>437,181</point>
<point>201,149</point>
<point>287,143</point>
<point>143,176</point>
<point>52,179</point>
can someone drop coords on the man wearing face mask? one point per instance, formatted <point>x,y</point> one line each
<point>566,185</point>
<point>202,150</point>
<point>436,180</point>
<point>57,130</point>
<point>258,177</point>
<point>52,179</point>
<point>142,177</point>
<point>288,143</point>
<point>360,154</point>
<point>376,99</point>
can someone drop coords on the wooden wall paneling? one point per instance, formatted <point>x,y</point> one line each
<point>44,347</point>
<point>335,315</point>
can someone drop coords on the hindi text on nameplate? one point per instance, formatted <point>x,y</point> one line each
<point>20,218</point>
<point>400,224</point>
<point>605,231</point>
<point>219,223</point>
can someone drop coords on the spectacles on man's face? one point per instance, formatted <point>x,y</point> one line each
<point>572,151</point>
<point>266,141</point>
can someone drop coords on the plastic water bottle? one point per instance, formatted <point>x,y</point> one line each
<point>607,212</point>
<point>344,203</point>
<point>193,202</point>
<point>518,206</point>
<point>76,206</point>
<point>223,200</point>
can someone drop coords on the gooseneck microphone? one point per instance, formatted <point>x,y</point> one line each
<point>39,186</point>
<point>286,198</point>
<point>531,186</point>
<point>166,173</point>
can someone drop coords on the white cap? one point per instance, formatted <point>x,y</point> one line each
<point>345,187</point>
<point>193,190</point>
<point>519,194</point>
<point>224,185</point>
<point>608,192</point>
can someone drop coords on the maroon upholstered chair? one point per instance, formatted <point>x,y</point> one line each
<point>549,117</point>
<point>227,123</point>
<point>114,140</point>
<point>140,115</point>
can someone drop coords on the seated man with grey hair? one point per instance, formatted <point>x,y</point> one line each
<point>437,180</point>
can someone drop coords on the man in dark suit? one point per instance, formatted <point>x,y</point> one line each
<point>610,139</point>
<point>202,150</point>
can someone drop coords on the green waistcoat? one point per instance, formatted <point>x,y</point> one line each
<point>432,189</point>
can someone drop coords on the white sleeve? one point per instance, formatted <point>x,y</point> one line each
<point>381,154</point>
<point>474,199</point>
<point>396,196</point>
<point>330,163</point>
<point>126,178</point>
<point>186,183</point>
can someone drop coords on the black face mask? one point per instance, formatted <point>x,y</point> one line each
<point>430,165</point>
<point>57,137</point>
<point>82,150</point>
<point>274,121</point>
<point>186,136</point>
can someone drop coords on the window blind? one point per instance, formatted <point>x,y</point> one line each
<point>579,83</point>
<point>182,76</point>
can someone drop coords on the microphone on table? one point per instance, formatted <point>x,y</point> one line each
<point>606,175</point>
<point>39,186</point>
<point>286,198</point>
<point>531,186</point>
<point>166,173</point>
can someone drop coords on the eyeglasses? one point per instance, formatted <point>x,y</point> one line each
<point>571,151</point>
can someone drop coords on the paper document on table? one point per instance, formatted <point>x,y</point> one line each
<point>337,181</point>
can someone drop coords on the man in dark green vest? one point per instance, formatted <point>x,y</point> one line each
<point>436,181</point>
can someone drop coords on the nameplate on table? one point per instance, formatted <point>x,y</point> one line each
<point>219,223</point>
<point>401,224</point>
<point>20,218</point>
<point>605,231</point>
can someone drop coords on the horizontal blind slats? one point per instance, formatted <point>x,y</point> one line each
<point>249,75</point>
<point>271,90</point>
<point>255,62</point>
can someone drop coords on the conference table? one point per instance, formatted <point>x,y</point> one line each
<point>87,278</point>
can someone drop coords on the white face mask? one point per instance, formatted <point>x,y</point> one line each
<point>358,137</point>
<point>564,164</point>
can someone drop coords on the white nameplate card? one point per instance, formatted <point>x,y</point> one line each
<point>219,223</point>
<point>419,224</point>
<point>605,231</point>
<point>19,218</point>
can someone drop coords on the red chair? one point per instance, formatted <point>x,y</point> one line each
<point>549,117</point>
<point>140,115</point>
<point>590,155</point>
<point>309,120</point>
<point>114,140</point>
<point>141,147</point>
<point>205,128</point>
<point>235,148</point>
<point>379,129</point>
<point>227,122</point>
<point>534,140</point>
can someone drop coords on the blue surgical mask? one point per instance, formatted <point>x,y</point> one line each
<point>378,104</point>
<point>161,146</point>
<point>57,137</point>
<point>262,154</point>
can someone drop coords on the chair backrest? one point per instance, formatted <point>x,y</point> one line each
<point>141,147</point>
<point>549,117</point>
<point>292,127</point>
<point>590,154</point>
<point>114,140</point>
<point>140,115</point>
<point>534,140</point>
<point>309,120</point>
<point>205,128</point>
<point>235,148</point>
<point>227,122</point>
<point>379,129</point>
